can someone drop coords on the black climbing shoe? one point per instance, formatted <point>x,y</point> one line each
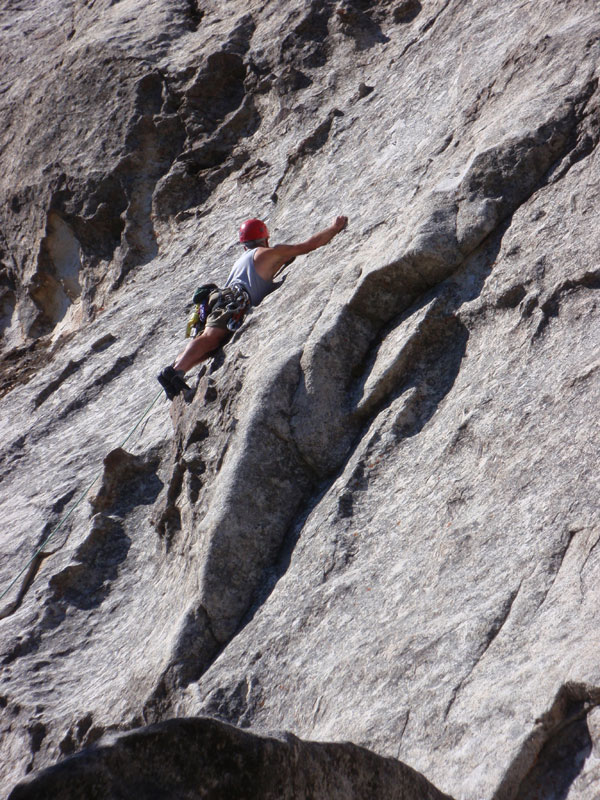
<point>171,382</point>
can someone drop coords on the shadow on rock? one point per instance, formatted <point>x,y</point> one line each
<point>555,753</point>
<point>356,21</point>
<point>127,481</point>
<point>87,583</point>
<point>204,758</point>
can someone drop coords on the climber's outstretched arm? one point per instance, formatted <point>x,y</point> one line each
<point>269,260</point>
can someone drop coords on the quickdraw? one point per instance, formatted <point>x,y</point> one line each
<point>237,306</point>
<point>195,323</point>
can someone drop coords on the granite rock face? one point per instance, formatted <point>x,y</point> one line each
<point>374,518</point>
<point>204,758</point>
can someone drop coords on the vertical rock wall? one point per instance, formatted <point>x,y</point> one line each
<point>374,518</point>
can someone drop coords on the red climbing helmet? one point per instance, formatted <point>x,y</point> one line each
<point>253,229</point>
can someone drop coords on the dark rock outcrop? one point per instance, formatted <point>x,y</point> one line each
<point>203,758</point>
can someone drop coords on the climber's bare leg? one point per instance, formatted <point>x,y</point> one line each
<point>200,347</point>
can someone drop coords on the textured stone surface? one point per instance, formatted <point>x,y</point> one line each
<point>375,517</point>
<point>203,758</point>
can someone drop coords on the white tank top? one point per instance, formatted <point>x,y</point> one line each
<point>243,272</point>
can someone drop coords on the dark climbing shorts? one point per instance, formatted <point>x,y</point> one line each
<point>227,308</point>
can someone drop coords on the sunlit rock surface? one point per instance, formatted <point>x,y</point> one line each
<point>374,519</point>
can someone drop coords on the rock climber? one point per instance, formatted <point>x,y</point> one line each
<point>250,280</point>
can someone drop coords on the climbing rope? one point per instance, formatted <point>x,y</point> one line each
<point>81,498</point>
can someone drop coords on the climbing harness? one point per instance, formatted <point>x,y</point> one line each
<point>81,498</point>
<point>234,300</point>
